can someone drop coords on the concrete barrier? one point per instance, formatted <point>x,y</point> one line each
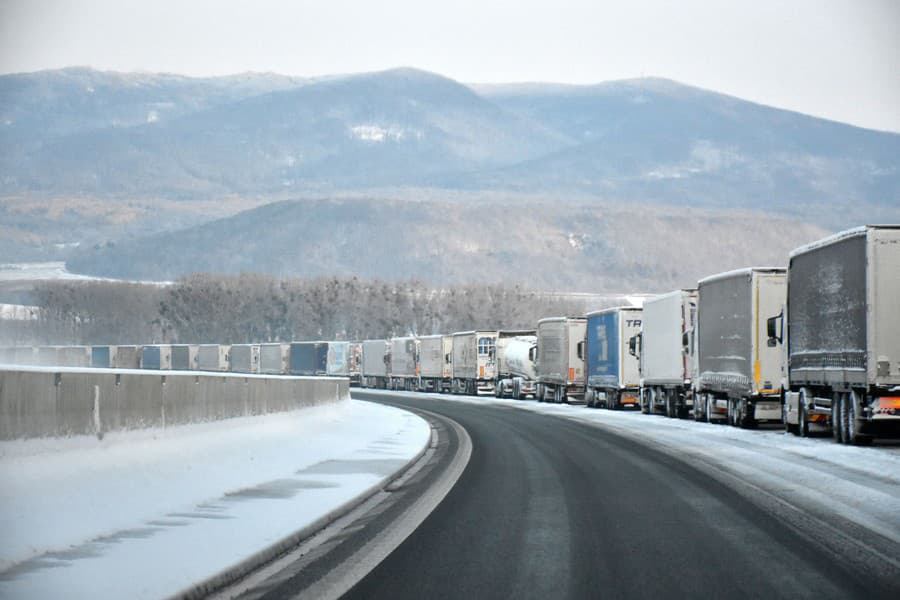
<point>47,402</point>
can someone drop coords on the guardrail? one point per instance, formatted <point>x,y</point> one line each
<point>47,402</point>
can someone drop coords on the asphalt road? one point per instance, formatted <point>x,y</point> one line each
<point>551,508</point>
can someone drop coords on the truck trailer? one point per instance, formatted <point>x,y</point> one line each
<point>404,363</point>
<point>516,353</point>
<point>667,323</point>
<point>309,358</point>
<point>244,358</point>
<point>560,359</point>
<point>431,362</point>
<point>613,375</point>
<point>842,335</point>
<point>213,357</point>
<point>274,358</point>
<point>337,361</point>
<point>375,372</point>
<point>739,374</point>
<point>474,362</point>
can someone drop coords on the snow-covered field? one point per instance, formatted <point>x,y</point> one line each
<point>147,514</point>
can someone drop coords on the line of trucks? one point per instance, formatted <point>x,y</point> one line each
<point>815,345</point>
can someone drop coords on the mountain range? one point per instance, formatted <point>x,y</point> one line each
<point>100,163</point>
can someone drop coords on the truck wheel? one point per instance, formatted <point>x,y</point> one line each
<point>803,427</point>
<point>645,401</point>
<point>788,428</point>
<point>854,422</point>
<point>669,412</point>
<point>837,409</point>
<point>698,406</point>
<point>709,405</point>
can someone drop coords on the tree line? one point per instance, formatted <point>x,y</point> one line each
<point>254,308</point>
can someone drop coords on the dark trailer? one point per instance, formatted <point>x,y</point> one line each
<point>309,358</point>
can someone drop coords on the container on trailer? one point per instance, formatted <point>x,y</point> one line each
<point>431,362</point>
<point>375,363</point>
<point>103,357</point>
<point>126,357</point>
<point>274,358</point>
<point>309,358</point>
<point>738,374</point>
<point>404,363</point>
<point>25,355</point>
<point>613,371</point>
<point>244,358</point>
<point>843,334</point>
<point>47,356</point>
<point>338,359</point>
<point>74,356</point>
<point>212,357</point>
<point>667,324</point>
<point>560,359</point>
<point>184,357</point>
<point>156,357</point>
<point>474,362</point>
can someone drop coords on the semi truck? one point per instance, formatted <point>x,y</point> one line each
<point>431,362</point>
<point>516,353</point>
<point>842,335</point>
<point>244,358</point>
<point>664,350</point>
<point>375,362</point>
<point>560,359</point>
<point>404,363</point>
<point>613,375</point>
<point>184,357</point>
<point>274,358</point>
<point>337,359</point>
<point>309,358</point>
<point>739,374</point>
<point>213,357</point>
<point>474,362</point>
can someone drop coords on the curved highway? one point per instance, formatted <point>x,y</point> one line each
<point>553,508</point>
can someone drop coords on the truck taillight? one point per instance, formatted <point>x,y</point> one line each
<point>890,402</point>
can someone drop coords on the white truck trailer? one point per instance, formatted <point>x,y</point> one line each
<point>843,335</point>
<point>431,362</point>
<point>560,359</point>
<point>404,363</point>
<point>375,372</point>
<point>665,354</point>
<point>516,353</point>
<point>613,374</point>
<point>739,375</point>
<point>474,362</point>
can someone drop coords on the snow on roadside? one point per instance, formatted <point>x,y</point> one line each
<point>149,513</point>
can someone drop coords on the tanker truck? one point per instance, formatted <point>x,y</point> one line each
<point>516,351</point>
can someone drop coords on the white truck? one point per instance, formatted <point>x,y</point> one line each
<point>375,363</point>
<point>404,363</point>
<point>431,362</point>
<point>842,335</point>
<point>665,354</point>
<point>739,374</point>
<point>474,362</point>
<point>516,375</point>
<point>560,359</point>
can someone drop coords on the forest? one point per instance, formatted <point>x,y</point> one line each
<point>254,308</point>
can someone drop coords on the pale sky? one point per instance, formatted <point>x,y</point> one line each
<point>838,59</point>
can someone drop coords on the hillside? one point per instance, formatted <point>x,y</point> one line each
<point>95,160</point>
<point>537,246</point>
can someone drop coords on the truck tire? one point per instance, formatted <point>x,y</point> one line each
<point>645,401</point>
<point>854,423</point>
<point>669,409</point>
<point>788,428</point>
<point>699,407</point>
<point>837,410</point>
<point>708,398</point>
<point>803,427</point>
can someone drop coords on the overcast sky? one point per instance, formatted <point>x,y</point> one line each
<point>838,59</point>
